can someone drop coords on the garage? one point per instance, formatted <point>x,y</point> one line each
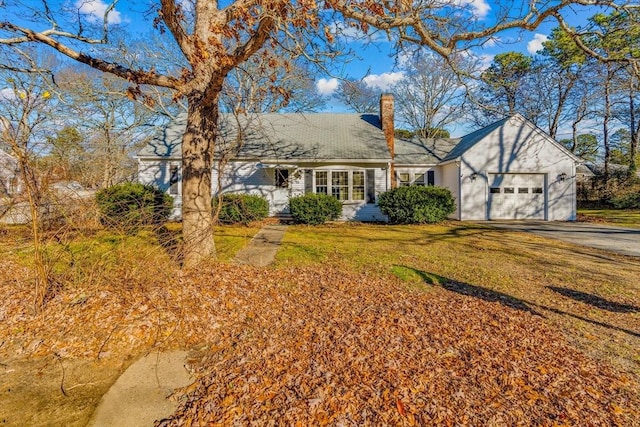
<point>516,196</point>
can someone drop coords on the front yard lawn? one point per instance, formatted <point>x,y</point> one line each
<point>355,324</point>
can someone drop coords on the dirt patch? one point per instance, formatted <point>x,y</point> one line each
<point>52,392</point>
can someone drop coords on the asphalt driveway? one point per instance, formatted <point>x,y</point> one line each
<point>620,240</point>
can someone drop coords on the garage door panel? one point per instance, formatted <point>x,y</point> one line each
<point>516,196</point>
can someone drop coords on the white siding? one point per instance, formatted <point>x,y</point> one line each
<point>450,178</point>
<point>157,173</point>
<point>248,178</point>
<point>517,148</point>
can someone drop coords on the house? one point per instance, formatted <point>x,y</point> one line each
<point>9,175</point>
<point>508,170</point>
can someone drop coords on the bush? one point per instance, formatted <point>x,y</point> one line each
<point>132,205</point>
<point>417,204</point>
<point>628,201</point>
<point>314,209</point>
<point>242,208</point>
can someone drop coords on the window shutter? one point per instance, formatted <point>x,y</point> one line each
<point>371,185</point>
<point>308,181</point>
<point>431,178</point>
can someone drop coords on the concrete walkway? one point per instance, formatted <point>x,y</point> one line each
<point>625,241</point>
<point>262,249</point>
<point>139,396</point>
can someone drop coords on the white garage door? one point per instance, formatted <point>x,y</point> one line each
<point>516,196</point>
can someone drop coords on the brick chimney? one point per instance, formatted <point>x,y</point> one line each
<point>386,120</point>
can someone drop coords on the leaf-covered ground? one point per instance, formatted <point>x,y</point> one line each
<point>320,346</point>
<point>331,343</point>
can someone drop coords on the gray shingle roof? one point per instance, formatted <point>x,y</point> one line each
<point>317,137</point>
<point>295,136</point>
<point>417,151</point>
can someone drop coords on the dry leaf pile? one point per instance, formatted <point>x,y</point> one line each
<point>318,346</point>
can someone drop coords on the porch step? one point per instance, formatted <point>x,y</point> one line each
<point>284,218</point>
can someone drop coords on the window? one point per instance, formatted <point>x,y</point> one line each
<point>508,190</point>
<point>536,190</point>
<point>174,180</point>
<point>346,185</point>
<point>357,189</point>
<point>282,178</point>
<point>340,185</point>
<point>523,190</point>
<point>322,182</point>
<point>494,190</point>
<point>403,179</point>
<point>418,179</point>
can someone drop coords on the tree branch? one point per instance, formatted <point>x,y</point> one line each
<point>136,76</point>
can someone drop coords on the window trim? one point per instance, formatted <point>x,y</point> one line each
<point>428,177</point>
<point>329,185</point>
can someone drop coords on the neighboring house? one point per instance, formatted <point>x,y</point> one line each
<point>508,170</point>
<point>9,175</point>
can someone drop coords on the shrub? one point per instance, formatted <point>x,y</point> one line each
<point>314,209</point>
<point>627,201</point>
<point>242,208</point>
<point>417,204</point>
<point>132,205</point>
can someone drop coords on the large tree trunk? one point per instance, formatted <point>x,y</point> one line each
<point>197,162</point>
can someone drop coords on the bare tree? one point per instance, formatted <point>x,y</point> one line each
<point>25,105</point>
<point>216,37</point>
<point>114,127</point>
<point>429,97</point>
<point>358,95</point>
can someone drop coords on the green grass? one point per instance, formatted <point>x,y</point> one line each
<point>621,217</point>
<point>108,249</point>
<point>230,239</point>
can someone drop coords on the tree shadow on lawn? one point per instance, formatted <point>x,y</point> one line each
<point>595,300</point>
<point>170,240</point>
<point>506,300</point>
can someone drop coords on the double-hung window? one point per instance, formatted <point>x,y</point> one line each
<point>341,184</point>
<point>417,178</point>
<point>322,182</point>
<point>404,179</point>
<point>357,185</point>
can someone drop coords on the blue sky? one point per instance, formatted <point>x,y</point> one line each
<point>382,69</point>
<point>375,63</point>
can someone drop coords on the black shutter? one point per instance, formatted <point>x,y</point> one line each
<point>308,181</point>
<point>431,178</point>
<point>371,185</point>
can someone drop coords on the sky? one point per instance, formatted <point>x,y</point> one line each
<point>375,64</point>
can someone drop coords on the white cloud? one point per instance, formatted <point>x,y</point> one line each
<point>95,10</point>
<point>479,8</point>
<point>535,45</point>
<point>326,87</point>
<point>491,42</point>
<point>485,61</point>
<point>383,81</point>
<point>7,94</point>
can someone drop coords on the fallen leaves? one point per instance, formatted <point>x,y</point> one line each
<point>321,346</point>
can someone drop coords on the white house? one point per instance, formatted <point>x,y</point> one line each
<point>9,175</point>
<point>508,170</point>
